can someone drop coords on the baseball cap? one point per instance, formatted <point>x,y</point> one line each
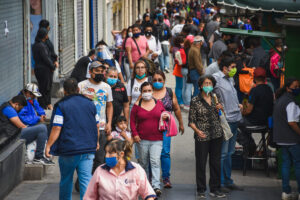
<point>259,72</point>
<point>198,38</point>
<point>95,64</point>
<point>33,88</point>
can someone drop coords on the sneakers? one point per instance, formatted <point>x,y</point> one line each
<point>167,183</point>
<point>224,190</point>
<point>43,161</point>
<point>157,192</point>
<point>167,70</point>
<point>201,195</point>
<point>289,196</point>
<point>217,194</point>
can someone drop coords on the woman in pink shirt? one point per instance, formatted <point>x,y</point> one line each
<point>144,122</point>
<point>137,46</point>
<point>119,179</point>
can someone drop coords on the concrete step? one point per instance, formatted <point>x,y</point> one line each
<point>34,172</point>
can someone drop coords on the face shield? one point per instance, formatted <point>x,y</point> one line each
<point>103,53</point>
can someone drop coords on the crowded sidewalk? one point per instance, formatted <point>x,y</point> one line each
<point>256,185</point>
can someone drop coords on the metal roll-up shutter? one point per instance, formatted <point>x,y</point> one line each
<point>80,28</point>
<point>66,35</point>
<point>95,20</point>
<point>11,49</point>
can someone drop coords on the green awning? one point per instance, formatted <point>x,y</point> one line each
<point>236,31</point>
<point>279,6</point>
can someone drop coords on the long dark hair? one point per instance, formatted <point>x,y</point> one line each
<point>287,83</point>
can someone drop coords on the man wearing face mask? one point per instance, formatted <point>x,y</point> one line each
<point>33,113</point>
<point>100,92</point>
<point>119,93</point>
<point>153,43</point>
<point>225,89</point>
<point>11,126</point>
<point>137,46</point>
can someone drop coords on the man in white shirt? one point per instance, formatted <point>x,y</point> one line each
<point>178,28</point>
<point>153,43</point>
<point>100,92</point>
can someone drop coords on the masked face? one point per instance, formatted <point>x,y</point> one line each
<point>98,74</point>
<point>148,33</point>
<point>147,93</point>
<point>130,34</point>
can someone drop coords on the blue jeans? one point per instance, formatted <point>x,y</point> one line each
<point>83,164</point>
<point>165,156</point>
<point>178,89</point>
<point>228,148</point>
<point>187,87</point>
<point>164,58</point>
<point>290,154</point>
<point>194,75</point>
<point>151,150</point>
<point>40,134</point>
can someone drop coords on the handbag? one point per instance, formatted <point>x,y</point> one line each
<point>224,124</point>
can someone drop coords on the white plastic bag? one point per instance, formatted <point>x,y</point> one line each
<point>56,76</point>
<point>31,148</point>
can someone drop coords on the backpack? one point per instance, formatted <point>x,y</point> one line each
<point>163,32</point>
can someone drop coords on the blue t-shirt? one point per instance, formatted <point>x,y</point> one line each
<point>9,112</point>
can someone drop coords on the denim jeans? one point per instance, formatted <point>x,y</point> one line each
<point>228,148</point>
<point>178,89</point>
<point>165,156</point>
<point>194,75</point>
<point>151,150</point>
<point>40,134</point>
<point>290,154</point>
<point>187,87</point>
<point>83,164</point>
<point>164,58</point>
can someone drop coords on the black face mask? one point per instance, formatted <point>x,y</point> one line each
<point>148,33</point>
<point>98,78</point>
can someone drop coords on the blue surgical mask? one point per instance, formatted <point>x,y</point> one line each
<point>112,81</point>
<point>100,54</point>
<point>207,89</point>
<point>296,91</point>
<point>111,161</point>
<point>158,85</point>
<point>140,77</point>
<point>28,98</point>
<point>136,35</point>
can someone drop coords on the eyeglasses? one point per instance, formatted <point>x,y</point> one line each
<point>158,80</point>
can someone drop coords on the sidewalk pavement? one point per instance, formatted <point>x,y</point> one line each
<point>256,185</point>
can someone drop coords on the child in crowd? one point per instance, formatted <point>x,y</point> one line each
<point>121,132</point>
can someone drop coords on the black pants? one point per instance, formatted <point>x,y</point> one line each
<point>202,149</point>
<point>44,77</point>
<point>100,154</point>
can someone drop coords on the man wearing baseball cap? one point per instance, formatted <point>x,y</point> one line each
<point>33,113</point>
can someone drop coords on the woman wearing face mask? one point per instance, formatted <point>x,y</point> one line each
<point>286,132</point>
<point>119,178</point>
<point>169,100</point>
<point>137,46</point>
<point>144,121</point>
<point>134,84</point>
<point>208,134</point>
<point>119,93</point>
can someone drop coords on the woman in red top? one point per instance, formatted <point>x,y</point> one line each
<point>144,121</point>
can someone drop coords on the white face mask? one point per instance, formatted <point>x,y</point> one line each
<point>130,34</point>
<point>147,96</point>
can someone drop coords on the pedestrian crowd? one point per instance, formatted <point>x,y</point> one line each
<point>117,101</point>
